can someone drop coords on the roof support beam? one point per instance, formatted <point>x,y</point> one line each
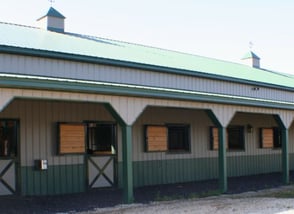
<point>284,125</point>
<point>222,153</point>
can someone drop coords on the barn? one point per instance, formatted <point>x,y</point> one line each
<point>80,112</point>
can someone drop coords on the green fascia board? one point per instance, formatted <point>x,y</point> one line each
<point>70,46</point>
<point>26,82</point>
<point>119,63</point>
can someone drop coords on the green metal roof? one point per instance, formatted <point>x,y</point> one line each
<point>250,54</point>
<point>35,41</point>
<point>53,12</point>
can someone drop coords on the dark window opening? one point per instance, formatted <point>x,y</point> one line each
<point>101,138</point>
<point>8,138</point>
<point>277,138</point>
<point>178,138</point>
<point>235,137</point>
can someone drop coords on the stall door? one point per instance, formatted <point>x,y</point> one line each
<point>8,156</point>
<point>101,144</point>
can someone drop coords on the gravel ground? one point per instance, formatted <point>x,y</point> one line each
<point>110,200</point>
<point>249,202</point>
<point>216,205</point>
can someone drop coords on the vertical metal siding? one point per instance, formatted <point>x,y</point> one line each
<point>38,134</point>
<point>77,70</point>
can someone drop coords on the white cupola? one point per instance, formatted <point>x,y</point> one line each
<point>53,21</point>
<point>251,59</point>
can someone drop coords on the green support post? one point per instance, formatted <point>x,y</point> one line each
<point>222,159</point>
<point>128,194</point>
<point>285,155</point>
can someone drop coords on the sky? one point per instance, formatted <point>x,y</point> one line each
<point>221,29</point>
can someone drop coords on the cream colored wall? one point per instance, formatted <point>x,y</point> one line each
<point>38,127</point>
<point>200,142</point>
<point>94,72</point>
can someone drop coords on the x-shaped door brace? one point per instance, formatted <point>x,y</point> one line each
<point>101,171</point>
<point>2,174</point>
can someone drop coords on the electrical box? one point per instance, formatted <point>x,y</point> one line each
<point>41,164</point>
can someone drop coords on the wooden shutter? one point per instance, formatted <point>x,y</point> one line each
<point>267,137</point>
<point>71,138</point>
<point>214,139</point>
<point>156,138</point>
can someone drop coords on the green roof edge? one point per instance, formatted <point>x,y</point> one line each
<point>113,62</point>
<point>10,82</point>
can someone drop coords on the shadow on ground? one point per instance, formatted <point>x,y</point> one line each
<point>97,198</point>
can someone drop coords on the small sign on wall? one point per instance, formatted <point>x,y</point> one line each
<point>71,138</point>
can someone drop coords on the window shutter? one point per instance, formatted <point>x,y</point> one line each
<point>214,138</point>
<point>267,138</point>
<point>71,138</point>
<point>156,138</point>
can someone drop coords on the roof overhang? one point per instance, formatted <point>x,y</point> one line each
<point>85,86</point>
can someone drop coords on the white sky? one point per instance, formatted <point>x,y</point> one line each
<point>219,29</point>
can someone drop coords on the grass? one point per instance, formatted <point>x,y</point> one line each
<point>282,194</point>
<point>160,197</point>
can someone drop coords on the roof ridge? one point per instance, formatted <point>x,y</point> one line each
<point>20,25</point>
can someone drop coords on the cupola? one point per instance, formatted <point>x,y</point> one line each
<point>251,59</point>
<point>53,21</point>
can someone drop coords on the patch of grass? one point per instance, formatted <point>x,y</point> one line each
<point>283,194</point>
<point>160,197</point>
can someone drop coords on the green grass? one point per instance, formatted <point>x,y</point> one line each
<point>283,194</point>
<point>160,197</point>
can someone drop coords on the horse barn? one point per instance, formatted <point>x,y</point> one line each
<point>79,112</point>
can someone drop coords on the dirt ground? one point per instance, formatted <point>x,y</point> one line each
<point>243,197</point>
<point>250,202</point>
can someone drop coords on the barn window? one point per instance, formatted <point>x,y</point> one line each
<point>235,135</point>
<point>172,138</point>
<point>234,138</point>
<point>178,137</point>
<point>101,138</point>
<point>270,138</point>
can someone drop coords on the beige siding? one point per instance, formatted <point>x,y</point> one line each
<point>38,130</point>
<point>76,70</point>
<point>200,123</point>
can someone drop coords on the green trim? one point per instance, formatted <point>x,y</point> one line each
<point>59,84</point>
<point>62,179</point>
<point>114,114</point>
<point>135,65</point>
<point>156,172</point>
<point>128,190</point>
<point>54,29</point>
<point>222,160</point>
<point>285,156</point>
<point>285,149</point>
